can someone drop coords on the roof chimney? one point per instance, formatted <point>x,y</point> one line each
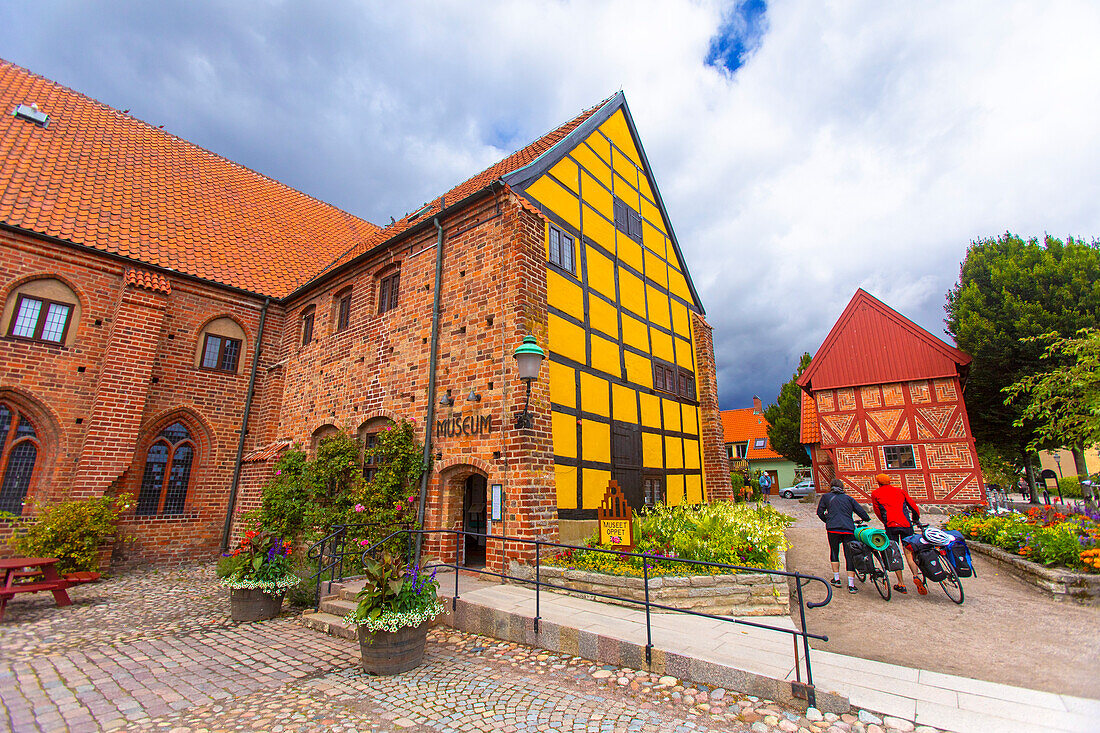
<point>757,407</point>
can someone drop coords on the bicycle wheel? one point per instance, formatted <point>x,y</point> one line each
<point>880,576</point>
<point>951,584</point>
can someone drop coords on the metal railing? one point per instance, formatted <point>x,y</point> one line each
<point>804,690</point>
<point>330,551</point>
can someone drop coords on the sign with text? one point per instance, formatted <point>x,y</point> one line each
<point>450,427</point>
<point>616,518</point>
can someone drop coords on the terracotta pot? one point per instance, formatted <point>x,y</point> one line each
<point>254,605</point>
<point>392,652</point>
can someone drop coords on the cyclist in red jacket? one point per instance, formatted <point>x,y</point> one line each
<point>898,512</point>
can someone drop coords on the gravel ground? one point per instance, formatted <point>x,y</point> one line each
<point>155,650</point>
<point>1006,631</point>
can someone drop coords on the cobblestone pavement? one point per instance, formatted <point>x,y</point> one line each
<point>156,651</point>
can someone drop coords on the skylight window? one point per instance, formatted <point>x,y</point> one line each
<point>31,113</point>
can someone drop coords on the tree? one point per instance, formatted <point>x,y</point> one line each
<point>1010,290</point>
<point>1063,404</point>
<point>785,418</point>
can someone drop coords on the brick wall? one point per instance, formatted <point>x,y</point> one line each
<point>98,402</point>
<point>716,472</point>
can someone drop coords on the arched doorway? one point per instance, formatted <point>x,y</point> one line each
<point>474,514</point>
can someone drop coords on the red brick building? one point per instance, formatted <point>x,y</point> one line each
<point>150,287</point>
<point>882,395</point>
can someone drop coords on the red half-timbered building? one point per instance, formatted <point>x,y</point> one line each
<point>883,395</point>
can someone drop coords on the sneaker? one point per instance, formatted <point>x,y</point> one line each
<point>835,582</point>
<point>853,589</point>
<point>920,586</point>
<point>900,588</point>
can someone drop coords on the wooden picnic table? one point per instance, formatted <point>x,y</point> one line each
<point>31,575</point>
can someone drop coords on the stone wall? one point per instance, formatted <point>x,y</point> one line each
<point>1060,583</point>
<point>742,594</point>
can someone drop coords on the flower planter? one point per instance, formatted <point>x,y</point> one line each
<point>392,652</point>
<point>254,605</point>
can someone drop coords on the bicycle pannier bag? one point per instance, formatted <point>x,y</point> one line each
<point>959,555</point>
<point>932,564</point>
<point>861,556</point>
<point>894,560</point>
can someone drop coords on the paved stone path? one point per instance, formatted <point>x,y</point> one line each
<point>155,650</point>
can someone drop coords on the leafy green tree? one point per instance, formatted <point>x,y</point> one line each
<point>785,417</point>
<point>1063,404</point>
<point>1010,290</point>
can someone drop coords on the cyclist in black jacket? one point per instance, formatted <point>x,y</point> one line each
<point>836,509</point>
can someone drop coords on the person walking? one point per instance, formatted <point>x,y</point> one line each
<point>835,509</point>
<point>897,511</point>
<point>766,487</point>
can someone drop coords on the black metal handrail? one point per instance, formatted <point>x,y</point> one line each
<point>330,551</point>
<point>801,579</point>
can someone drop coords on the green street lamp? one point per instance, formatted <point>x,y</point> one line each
<point>529,360</point>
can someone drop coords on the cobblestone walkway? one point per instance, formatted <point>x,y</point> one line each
<point>156,651</point>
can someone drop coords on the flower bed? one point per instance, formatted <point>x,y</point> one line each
<point>1043,536</point>
<point>720,532</point>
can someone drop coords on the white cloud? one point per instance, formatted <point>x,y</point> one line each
<point>861,144</point>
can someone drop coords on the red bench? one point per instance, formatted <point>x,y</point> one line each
<point>36,574</point>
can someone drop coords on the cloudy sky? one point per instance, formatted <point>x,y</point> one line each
<point>804,149</point>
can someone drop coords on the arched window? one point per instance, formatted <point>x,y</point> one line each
<point>44,310</point>
<point>18,453</point>
<point>167,472</point>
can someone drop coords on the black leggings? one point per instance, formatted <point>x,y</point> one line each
<point>836,541</point>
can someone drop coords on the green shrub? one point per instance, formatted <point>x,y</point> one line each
<point>71,531</point>
<point>1045,536</point>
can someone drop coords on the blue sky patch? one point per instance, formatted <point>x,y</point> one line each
<point>740,33</point>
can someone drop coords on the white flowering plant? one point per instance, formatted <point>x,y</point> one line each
<point>395,596</point>
<point>260,562</point>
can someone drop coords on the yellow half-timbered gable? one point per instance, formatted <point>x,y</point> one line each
<point>622,357</point>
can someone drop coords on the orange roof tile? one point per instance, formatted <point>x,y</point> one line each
<point>100,178</point>
<point>267,452</point>
<point>149,281</point>
<point>522,157</point>
<point>808,430</point>
<point>746,425</point>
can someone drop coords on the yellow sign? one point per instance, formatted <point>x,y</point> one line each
<point>615,532</point>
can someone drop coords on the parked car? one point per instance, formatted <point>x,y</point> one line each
<point>805,487</point>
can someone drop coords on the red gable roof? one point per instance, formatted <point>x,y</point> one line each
<point>97,177</point>
<point>872,343</point>
<point>746,424</point>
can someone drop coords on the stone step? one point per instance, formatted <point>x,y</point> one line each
<point>337,606</point>
<point>329,624</point>
<point>348,589</point>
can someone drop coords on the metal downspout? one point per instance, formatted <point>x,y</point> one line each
<point>244,429</point>
<point>429,420</point>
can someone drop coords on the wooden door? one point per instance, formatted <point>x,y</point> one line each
<point>626,461</point>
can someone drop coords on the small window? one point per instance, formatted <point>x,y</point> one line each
<point>221,353</point>
<point>343,310</point>
<point>759,443</point>
<point>38,319</point>
<point>307,325</point>
<point>653,490</point>
<point>388,288</point>
<point>562,250</point>
<point>899,456</point>
<point>627,220</point>
<point>687,384</point>
<point>664,377</point>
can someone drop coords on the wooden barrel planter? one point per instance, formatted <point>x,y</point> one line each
<point>392,652</point>
<point>254,605</point>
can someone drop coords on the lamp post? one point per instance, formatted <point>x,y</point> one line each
<point>529,360</point>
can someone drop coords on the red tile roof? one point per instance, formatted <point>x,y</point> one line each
<point>522,157</point>
<point>746,424</point>
<point>871,343</point>
<point>267,452</point>
<point>100,178</point>
<point>808,430</point>
<point>149,281</point>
